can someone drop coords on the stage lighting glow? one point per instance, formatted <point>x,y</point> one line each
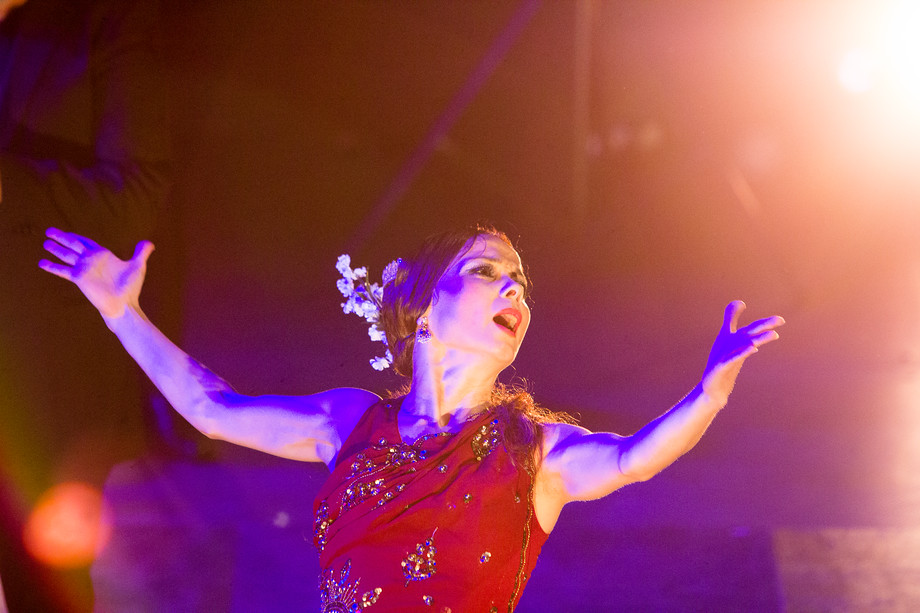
<point>68,526</point>
<point>889,52</point>
<point>902,45</point>
<point>856,71</point>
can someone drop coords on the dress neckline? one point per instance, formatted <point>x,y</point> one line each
<point>394,406</point>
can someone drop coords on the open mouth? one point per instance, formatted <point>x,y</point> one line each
<point>508,319</point>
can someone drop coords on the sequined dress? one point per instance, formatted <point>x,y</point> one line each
<point>443,524</point>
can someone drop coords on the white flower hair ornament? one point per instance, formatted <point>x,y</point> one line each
<point>365,299</point>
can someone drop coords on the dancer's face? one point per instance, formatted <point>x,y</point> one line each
<point>479,303</point>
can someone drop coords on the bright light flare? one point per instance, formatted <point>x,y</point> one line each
<point>856,71</point>
<point>68,526</point>
<point>901,36</point>
<point>876,131</point>
<point>891,54</point>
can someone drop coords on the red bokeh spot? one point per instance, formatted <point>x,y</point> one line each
<point>68,526</point>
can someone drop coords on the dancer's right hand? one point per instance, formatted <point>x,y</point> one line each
<point>109,283</point>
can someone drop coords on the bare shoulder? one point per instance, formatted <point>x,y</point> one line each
<point>579,464</point>
<point>345,406</point>
<point>570,452</point>
<point>557,435</point>
<point>549,486</point>
<point>345,399</point>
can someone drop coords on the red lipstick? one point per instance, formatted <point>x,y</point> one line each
<point>509,319</point>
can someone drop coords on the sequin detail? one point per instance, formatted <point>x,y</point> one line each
<point>421,564</point>
<point>341,595</point>
<point>364,486</point>
<point>486,439</point>
<point>360,492</point>
<point>321,525</point>
<point>427,599</point>
<point>485,557</point>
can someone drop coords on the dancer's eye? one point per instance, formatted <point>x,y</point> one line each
<point>519,278</point>
<point>486,270</point>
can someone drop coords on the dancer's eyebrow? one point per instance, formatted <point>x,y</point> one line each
<point>516,273</point>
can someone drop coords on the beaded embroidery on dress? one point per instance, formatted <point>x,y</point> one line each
<point>341,595</point>
<point>445,521</point>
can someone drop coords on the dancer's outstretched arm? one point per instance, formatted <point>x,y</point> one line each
<point>583,465</point>
<point>308,428</point>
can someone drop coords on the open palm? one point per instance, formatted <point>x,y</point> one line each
<point>733,345</point>
<point>108,282</point>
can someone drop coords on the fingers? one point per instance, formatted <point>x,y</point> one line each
<point>66,255</point>
<point>763,338</point>
<point>732,313</point>
<point>753,345</point>
<point>64,246</point>
<point>78,244</point>
<point>739,343</point>
<point>768,323</point>
<point>142,251</point>
<point>747,352</point>
<point>64,272</point>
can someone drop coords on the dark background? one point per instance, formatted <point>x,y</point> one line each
<point>654,160</point>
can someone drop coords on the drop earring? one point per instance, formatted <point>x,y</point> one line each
<point>422,332</point>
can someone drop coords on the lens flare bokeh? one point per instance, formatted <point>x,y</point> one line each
<point>69,525</point>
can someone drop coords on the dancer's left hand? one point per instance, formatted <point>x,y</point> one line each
<point>732,347</point>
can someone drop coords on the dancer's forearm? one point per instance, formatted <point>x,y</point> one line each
<point>193,390</point>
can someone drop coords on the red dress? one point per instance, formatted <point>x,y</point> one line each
<point>443,524</point>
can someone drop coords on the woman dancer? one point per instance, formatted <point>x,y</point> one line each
<point>440,498</point>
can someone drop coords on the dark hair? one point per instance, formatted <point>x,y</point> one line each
<point>408,296</point>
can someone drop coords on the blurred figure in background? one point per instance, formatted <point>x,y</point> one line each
<point>83,145</point>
